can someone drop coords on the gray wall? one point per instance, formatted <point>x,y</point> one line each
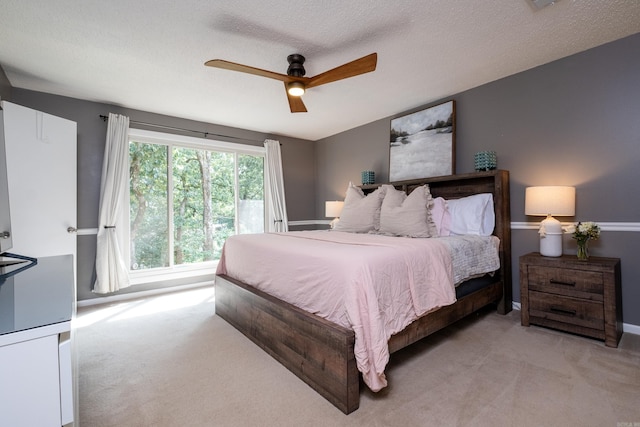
<point>297,159</point>
<point>575,121</point>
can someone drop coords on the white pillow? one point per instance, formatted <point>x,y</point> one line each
<point>360,213</point>
<point>408,216</point>
<point>472,215</point>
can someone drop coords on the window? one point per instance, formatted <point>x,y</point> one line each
<point>187,195</point>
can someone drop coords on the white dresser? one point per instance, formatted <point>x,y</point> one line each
<point>36,308</point>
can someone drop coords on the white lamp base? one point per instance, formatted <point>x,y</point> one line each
<point>550,237</point>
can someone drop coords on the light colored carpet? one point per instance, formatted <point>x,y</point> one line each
<point>141,364</point>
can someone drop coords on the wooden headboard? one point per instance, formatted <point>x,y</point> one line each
<point>495,182</point>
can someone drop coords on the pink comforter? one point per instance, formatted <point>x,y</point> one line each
<point>375,285</point>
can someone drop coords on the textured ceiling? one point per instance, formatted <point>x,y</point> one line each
<point>149,54</point>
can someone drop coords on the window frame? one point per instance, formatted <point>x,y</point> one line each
<point>172,140</point>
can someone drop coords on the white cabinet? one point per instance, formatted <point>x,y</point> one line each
<point>37,305</point>
<point>31,392</point>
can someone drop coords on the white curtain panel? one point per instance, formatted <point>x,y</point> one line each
<point>112,273</point>
<point>277,214</point>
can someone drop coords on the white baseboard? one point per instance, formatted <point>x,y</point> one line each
<point>134,295</point>
<point>626,327</point>
<point>630,329</point>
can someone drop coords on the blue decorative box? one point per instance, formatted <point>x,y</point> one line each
<point>368,177</point>
<point>486,161</point>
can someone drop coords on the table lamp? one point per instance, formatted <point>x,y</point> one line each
<point>333,210</point>
<point>548,201</point>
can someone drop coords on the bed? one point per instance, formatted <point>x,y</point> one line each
<point>320,351</point>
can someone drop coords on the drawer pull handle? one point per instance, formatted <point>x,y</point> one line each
<point>559,282</point>
<point>563,311</point>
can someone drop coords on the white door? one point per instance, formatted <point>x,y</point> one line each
<point>41,172</point>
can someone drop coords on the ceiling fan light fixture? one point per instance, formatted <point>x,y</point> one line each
<point>295,89</point>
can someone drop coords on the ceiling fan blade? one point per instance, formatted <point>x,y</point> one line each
<point>363,65</point>
<point>295,102</point>
<point>220,63</point>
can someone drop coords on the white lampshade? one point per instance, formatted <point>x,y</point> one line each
<point>333,209</point>
<point>548,201</point>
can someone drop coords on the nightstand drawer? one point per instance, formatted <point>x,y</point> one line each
<point>565,281</point>
<point>569,310</point>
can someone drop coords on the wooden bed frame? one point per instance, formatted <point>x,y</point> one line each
<point>321,352</point>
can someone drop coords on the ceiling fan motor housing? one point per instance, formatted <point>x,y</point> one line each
<point>296,69</point>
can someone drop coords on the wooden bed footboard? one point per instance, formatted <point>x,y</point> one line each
<point>317,351</point>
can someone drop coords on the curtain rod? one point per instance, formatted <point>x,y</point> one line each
<point>105,118</point>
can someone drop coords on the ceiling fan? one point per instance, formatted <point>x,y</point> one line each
<point>294,81</point>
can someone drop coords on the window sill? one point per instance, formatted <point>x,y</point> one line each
<point>165,274</point>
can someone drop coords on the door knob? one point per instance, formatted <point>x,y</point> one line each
<point>5,235</point>
<point>71,229</point>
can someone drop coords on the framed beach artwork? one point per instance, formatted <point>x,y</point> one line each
<point>422,144</point>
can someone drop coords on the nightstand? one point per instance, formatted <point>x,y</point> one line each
<point>581,297</point>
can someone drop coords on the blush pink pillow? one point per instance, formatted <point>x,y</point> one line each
<point>441,216</point>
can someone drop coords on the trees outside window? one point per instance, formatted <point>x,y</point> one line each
<point>185,201</point>
<point>149,225</point>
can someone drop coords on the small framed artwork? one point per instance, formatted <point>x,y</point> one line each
<point>422,144</point>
